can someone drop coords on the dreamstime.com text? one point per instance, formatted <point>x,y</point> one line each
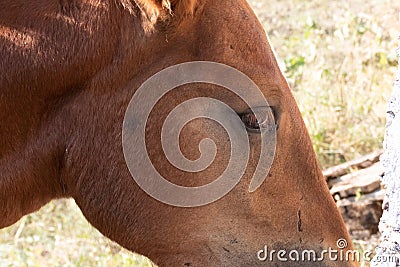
<point>330,254</point>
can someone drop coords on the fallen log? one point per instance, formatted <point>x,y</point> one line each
<point>347,167</point>
<point>361,182</point>
<point>359,198</point>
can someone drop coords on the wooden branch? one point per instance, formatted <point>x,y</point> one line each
<point>347,167</point>
<point>361,182</point>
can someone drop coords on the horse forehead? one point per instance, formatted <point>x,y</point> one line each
<point>230,31</point>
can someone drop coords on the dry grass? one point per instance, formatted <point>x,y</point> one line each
<point>339,57</point>
<point>58,235</point>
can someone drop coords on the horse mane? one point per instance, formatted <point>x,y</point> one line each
<point>153,9</point>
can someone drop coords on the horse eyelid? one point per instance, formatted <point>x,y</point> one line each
<point>250,120</point>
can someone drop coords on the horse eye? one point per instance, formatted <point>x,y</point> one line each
<point>265,118</point>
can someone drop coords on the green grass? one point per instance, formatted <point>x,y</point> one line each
<point>339,57</point>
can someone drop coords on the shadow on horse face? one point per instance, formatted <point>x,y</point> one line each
<point>84,72</point>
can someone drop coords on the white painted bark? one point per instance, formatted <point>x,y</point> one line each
<point>389,225</point>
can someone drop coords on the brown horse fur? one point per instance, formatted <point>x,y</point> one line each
<point>68,71</point>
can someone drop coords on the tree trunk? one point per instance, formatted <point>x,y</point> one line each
<point>388,252</point>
